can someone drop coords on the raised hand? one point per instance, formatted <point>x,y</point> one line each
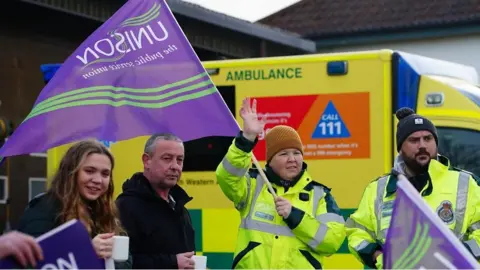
<point>252,126</point>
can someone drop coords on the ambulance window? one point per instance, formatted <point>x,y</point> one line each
<point>461,146</point>
<point>206,153</point>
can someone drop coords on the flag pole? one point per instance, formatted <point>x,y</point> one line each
<point>264,177</point>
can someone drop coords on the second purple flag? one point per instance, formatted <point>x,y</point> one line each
<point>418,239</point>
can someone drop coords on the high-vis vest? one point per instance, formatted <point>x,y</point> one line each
<point>453,195</point>
<point>265,240</point>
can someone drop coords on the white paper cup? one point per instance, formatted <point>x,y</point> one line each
<point>200,262</point>
<point>120,248</point>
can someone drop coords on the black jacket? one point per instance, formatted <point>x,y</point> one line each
<point>157,230</point>
<point>41,216</point>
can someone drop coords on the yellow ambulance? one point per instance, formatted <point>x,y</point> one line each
<point>343,106</point>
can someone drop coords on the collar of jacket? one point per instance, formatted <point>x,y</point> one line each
<point>277,180</point>
<point>179,195</point>
<point>436,168</point>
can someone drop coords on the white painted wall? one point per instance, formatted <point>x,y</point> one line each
<point>462,49</point>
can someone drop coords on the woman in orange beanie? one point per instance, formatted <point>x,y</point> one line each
<point>301,225</point>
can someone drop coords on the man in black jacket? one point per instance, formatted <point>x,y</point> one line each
<point>152,208</point>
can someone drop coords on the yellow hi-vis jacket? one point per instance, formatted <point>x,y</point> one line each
<point>452,194</point>
<point>314,229</point>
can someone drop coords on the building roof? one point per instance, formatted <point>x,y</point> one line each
<point>276,35</point>
<point>264,32</point>
<point>315,19</point>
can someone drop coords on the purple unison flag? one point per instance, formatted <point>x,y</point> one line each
<point>66,247</point>
<point>136,75</point>
<point>418,239</point>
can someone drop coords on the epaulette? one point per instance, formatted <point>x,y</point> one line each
<point>332,206</point>
<point>461,170</point>
<point>381,176</point>
<point>313,183</point>
<point>328,189</point>
<point>476,178</point>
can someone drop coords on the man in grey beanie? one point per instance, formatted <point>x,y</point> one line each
<point>451,193</point>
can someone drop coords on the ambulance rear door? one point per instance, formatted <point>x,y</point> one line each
<point>454,107</point>
<point>446,93</point>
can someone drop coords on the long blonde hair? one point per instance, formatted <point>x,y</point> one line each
<point>65,188</point>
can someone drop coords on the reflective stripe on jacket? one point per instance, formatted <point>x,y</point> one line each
<point>452,194</point>
<point>313,230</point>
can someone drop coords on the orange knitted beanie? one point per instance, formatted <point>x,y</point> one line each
<point>282,137</point>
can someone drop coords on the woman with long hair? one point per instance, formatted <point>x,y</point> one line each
<point>81,189</point>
